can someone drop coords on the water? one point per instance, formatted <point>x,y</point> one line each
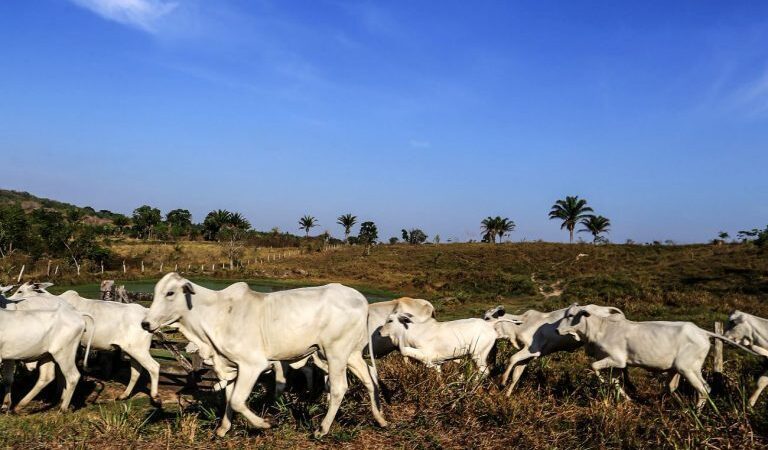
<point>91,290</point>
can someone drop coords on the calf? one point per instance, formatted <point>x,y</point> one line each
<point>750,331</point>
<point>117,325</point>
<point>533,333</point>
<point>420,311</point>
<point>41,334</point>
<point>433,342</point>
<point>616,342</point>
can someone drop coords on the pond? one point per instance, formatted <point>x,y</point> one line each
<point>91,290</point>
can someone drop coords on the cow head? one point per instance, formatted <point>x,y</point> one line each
<point>577,319</point>
<point>738,329</point>
<point>494,313</point>
<point>396,326</point>
<point>4,289</point>
<point>420,310</point>
<point>30,289</point>
<point>173,299</point>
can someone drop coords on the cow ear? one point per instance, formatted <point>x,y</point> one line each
<point>614,310</point>
<point>405,320</point>
<point>188,288</point>
<point>499,312</point>
<point>189,291</point>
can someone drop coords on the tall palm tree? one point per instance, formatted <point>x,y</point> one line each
<point>504,226</point>
<point>570,211</point>
<point>347,221</point>
<point>595,225</point>
<point>306,223</point>
<point>489,225</point>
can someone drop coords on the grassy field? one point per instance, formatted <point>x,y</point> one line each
<point>559,404</point>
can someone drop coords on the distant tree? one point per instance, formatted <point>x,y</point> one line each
<point>393,240</point>
<point>213,223</point>
<point>52,229</point>
<point>504,226</point>
<point>596,225</point>
<point>231,235</point>
<point>489,226</point>
<point>347,221</point>
<point>179,221</point>
<point>368,235</point>
<point>414,236</point>
<point>436,240</point>
<point>723,235</point>
<point>405,235</point>
<point>121,222</point>
<point>145,218</point>
<point>306,223</point>
<point>569,211</point>
<point>14,229</point>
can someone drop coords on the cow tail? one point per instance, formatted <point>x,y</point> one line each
<point>375,376</point>
<point>728,341</point>
<point>90,339</point>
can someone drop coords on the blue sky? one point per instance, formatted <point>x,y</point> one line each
<point>410,114</point>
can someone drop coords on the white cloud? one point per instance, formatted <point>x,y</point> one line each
<point>141,14</point>
<point>416,143</point>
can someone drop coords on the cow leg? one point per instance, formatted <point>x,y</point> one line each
<point>360,369</point>
<point>246,378</point>
<point>417,355</point>
<point>280,380</point>
<point>514,360</point>
<point>517,372</point>
<point>135,373</point>
<point>66,361</point>
<point>46,374</point>
<point>337,373</point>
<point>697,381</point>
<point>674,382</point>
<point>226,419</point>
<point>146,361</point>
<point>762,382</point>
<point>608,363</point>
<point>8,368</point>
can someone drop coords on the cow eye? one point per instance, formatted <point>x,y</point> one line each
<point>169,293</point>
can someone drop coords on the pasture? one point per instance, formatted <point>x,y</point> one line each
<point>558,403</point>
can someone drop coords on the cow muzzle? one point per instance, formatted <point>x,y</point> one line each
<point>145,326</point>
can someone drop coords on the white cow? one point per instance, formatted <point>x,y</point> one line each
<point>47,368</point>
<point>40,334</point>
<point>242,331</point>
<point>535,335</point>
<point>616,342</point>
<point>750,331</point>
<point>420,311</point>
<point>117,325</point>
<point>433,342</point>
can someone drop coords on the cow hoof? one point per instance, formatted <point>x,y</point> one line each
<point>122,397</point>
<point>221,432</point>
<point>156,401</point>
<point>264,425</point>
<point>318,434</point>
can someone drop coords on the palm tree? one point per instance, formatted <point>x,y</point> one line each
<point>504,226</point>
<point>570,211</point>
<point>489,225</point>
<point>347,221</point>
<point>306,223</point>
<point>595,225</point>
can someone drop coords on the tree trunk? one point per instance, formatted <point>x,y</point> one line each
<point>570,231</point>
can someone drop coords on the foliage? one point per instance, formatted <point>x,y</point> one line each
<point>569,211</point>
<point>306,223</point>
<point>145,219</point>
<point>496,226</point>
<point>347,221</point>
<point>596,225</point>
<point>415,236</point>
<point>368,235</point>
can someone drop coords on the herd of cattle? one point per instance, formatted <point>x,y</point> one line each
<point>241,333</point>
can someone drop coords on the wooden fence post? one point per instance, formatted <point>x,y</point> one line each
<point>718,355</point>
<point>124,269</point>
<point>21,273</point>
<point>56,272</point>
<point>142,266</point>
<point>48,271</point>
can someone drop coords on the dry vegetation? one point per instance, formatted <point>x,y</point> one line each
<point>559,403</point>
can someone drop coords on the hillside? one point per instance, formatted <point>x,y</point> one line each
<point>30,202</point>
